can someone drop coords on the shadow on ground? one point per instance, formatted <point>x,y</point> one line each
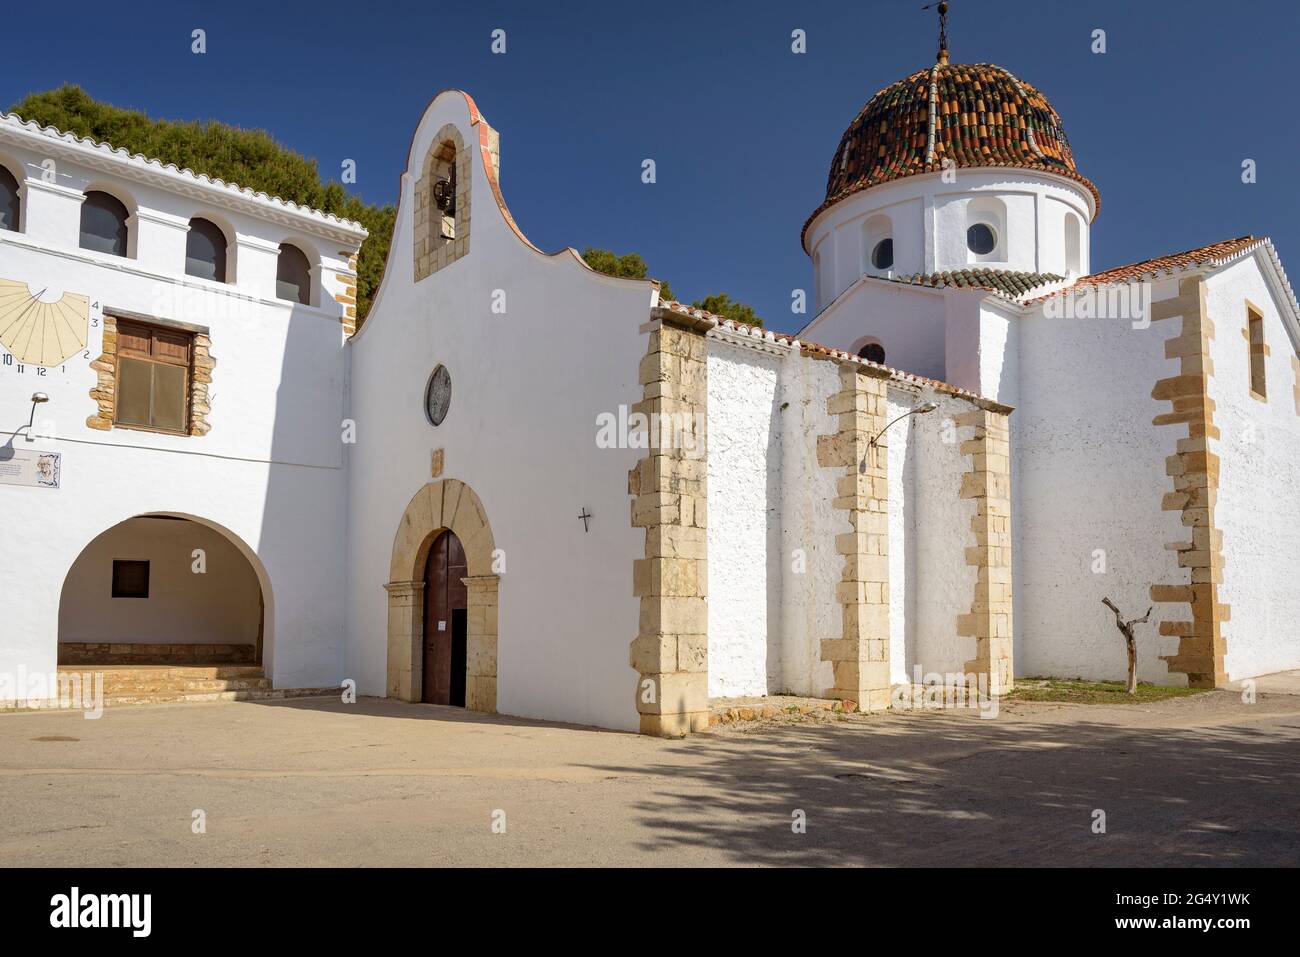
<point>391,708</point>
<point>938,790</point>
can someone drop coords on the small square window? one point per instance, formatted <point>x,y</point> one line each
<point>130,579</point>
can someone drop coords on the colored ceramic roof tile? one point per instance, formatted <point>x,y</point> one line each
<point>975,115</point>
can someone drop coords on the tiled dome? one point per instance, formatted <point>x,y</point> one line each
<point>977,115</point>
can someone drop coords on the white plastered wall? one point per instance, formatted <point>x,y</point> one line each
<point>527,388</point>
<point>773,564</point>
<point>1259,459</point>
<point>942,584</point>
<point>930,218</point>
<point>744,533</point>
<point>903,506</point>
<point>268,476</point>
<point>809,523</point>
<point>908,321</point>
<point>1088,479</point>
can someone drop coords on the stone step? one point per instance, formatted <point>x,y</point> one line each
<point>256,694</point>
<point>163,684</point>
<point>163,677</point>
<point>116,700</point>
<point>180,691</point>
<point>202,682</point>
<point>165,672</point>
<point>755,708</point>
<point>171,684</point>
<point>197,685</point>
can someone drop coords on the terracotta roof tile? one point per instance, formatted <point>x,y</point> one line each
<point>1006,281</point>
<point>815,349</point>
<point>1213,254</point>
<point>976,115</point>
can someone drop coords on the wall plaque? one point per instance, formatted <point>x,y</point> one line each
<point>29,467</point>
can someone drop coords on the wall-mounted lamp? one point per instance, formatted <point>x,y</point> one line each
<point>37,399</point>
<point>922,409</point>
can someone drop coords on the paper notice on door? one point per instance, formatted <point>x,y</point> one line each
<point>442,626</point>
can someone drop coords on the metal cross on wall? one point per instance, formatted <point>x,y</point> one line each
<point>584,515</point>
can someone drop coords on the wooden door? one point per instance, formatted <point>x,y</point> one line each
<point>445,604</point>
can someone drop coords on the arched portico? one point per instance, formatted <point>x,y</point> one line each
<point>447,504</point>
<point>166,588</point>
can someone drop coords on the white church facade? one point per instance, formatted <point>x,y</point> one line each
<point>527,488</point>
<point>1157,404</point>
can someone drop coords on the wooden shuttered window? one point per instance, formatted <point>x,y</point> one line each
<point>153,377</point>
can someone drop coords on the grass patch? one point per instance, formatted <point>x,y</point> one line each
<point>1091,692</point>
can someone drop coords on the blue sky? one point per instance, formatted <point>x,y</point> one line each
<point>742,131</point>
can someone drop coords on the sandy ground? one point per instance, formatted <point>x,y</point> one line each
<point>1203,780</point>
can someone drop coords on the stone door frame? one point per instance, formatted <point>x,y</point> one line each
<point>450,505</point>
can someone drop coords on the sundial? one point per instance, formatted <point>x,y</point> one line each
<point>38,332</point>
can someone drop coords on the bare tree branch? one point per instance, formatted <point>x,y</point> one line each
<point>1130,642</point>
<point>1111,605</point>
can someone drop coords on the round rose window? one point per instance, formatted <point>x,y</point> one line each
<point>981,239</point>
<point>437,395</point>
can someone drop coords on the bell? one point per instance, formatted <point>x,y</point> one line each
<point>444,196</point>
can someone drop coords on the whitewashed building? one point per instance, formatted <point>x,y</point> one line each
<point>528,488</point>
<point>189,339</point>
<point>1157,404</point>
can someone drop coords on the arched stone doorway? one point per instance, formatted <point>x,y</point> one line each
<point>446,622</point>
<point>446,505</point>
<point>163,589</point>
